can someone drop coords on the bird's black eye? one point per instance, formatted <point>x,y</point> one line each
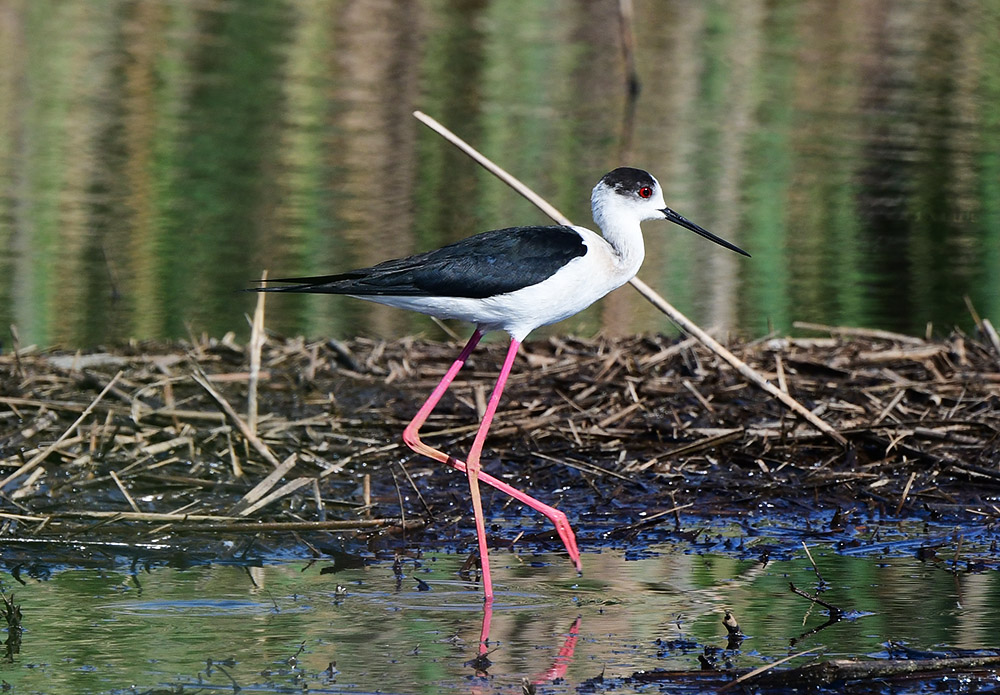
<point>645,192</point>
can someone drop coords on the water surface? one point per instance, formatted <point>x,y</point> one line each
<point>155,157</point>
<point>273,627</point>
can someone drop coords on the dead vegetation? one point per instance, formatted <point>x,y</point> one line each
<point>153,441</point>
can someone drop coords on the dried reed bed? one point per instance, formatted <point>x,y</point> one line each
<point>153,442</point>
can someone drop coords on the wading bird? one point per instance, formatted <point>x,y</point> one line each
<point>514,280</point>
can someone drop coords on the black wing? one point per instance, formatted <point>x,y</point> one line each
<point>487,264</point>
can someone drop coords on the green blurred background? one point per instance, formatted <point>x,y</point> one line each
<point>156,156</point>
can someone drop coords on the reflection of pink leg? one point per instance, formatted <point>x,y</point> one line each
<point>561,663</point>
<point>411,435</point>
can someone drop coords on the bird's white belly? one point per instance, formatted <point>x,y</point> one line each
<point>573,288</point>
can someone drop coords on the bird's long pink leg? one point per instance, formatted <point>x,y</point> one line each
<point>411,435</point>
<point>472,467</point>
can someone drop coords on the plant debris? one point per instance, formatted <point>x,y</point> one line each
<point>156,443</point>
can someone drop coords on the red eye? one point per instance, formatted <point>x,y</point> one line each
<point>645,192</point>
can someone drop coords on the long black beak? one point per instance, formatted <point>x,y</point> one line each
<point>688,224</point>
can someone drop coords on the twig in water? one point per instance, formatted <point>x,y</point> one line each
<point>174,517</point>
<point>731,624</point>
<point>813,563</point>
<point>651,520</point>
<point>318,500</point>
<point>416,490</point>
<point>906,492</point>
<point>399,495</point>
<point>236,686</point>
<point>835,612</point>
<point>763,669</point>
<point>114,517</point>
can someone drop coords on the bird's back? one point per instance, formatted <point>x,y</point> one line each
<point>485,265</point>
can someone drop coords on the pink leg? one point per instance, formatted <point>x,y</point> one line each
<point>412,438</point>
<point>484,633</point>
<point>472,467</point>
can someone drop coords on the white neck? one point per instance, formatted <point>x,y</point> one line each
<point>622,231</point>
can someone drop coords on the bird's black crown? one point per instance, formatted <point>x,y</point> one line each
<point>628,179</point>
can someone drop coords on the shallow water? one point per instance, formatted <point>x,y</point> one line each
<point>280,626</point>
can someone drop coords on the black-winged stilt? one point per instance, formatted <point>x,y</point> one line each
<point>514,280</point>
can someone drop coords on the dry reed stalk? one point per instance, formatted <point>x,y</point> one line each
<point>626,20</point>
<point>686,383</point>
<point>257,338</point>
<point>41,456</point>
<point>667,352</point>
<point>252,438</point>
<point>283,491</point>
<point>22,517</point>
<point>24,490</point>
<point>916,354</point>
<point>889,408</point>
<point>906,492</point>
<point>163,447</point>
<point>645,290</point>
<point>991,333</point>
<point>234,460</point>
<point>15,337</point>
<point>258,526</point>
<point>702,444</point>
<point>872,333</point>
<point>779,370</point>
<point>141,516</point>
<point>128,497</point>
<point>584,466</point>
<point>242,507</point>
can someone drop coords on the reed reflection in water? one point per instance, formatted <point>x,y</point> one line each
<point>156,156</point>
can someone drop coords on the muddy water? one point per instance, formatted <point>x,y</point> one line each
<point>273,627</point>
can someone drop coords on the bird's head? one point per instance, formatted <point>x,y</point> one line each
<point>633,194</point>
